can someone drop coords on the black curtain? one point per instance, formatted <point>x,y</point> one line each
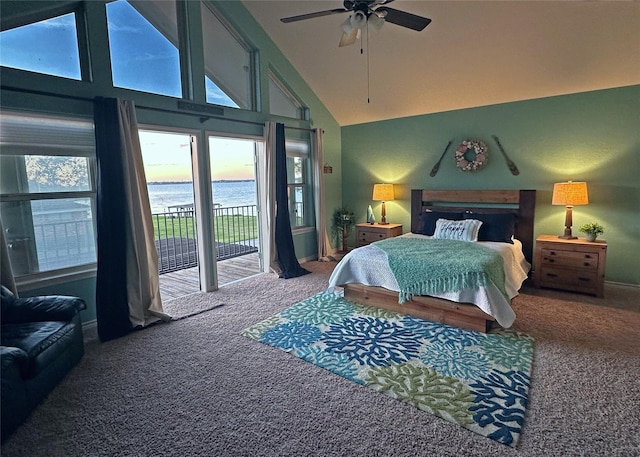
<point>112,307</point>
<point>287,260</point>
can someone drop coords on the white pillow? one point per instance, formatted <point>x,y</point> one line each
<point>465,230</point>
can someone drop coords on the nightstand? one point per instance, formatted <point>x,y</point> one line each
<point>368,233</point>
<point>574,265</point>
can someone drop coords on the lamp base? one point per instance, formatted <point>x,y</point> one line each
<point>383,223</point>
<point>567,237</point>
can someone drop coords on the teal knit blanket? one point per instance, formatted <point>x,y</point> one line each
<point>431,267</point>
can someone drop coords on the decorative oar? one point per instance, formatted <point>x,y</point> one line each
<point>436,167</point>
<point>512,166</point>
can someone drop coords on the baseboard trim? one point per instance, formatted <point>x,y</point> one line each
<point>532,277</point>
<point>623,284</point>
<point>90,330</point>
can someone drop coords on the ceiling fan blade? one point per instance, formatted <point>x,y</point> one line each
<point>302,17</point>
<point>347,39</point>
<point>404,19</point>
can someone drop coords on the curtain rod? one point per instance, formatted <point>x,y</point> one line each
<point>203,118</point>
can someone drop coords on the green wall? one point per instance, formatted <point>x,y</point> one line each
<point>592,137</point>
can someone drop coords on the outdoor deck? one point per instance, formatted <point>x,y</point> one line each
<point>184,282</point>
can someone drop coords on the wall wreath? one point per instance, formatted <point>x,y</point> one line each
<point>471,155</point>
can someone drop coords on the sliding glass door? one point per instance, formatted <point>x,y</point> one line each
<point>235,207</point>
<point>168,167</point>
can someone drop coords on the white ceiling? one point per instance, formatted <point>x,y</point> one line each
<point>474,53</point>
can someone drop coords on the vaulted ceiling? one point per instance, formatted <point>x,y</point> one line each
<point>474,53</point>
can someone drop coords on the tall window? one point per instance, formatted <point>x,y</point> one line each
<point>228,61</point>
<point>47,195</point>
<point>143,40</point>
<point>281,101</point>
<point>298,180</point>
<point>49,47</point>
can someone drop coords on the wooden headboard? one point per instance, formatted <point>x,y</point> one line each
<point>522,203</point>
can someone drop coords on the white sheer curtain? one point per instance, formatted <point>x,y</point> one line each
<point>325,251</point>
<point>143,283</point>
<point>270,251</point>
<point>6,272</point>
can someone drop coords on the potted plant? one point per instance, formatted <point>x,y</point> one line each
<point>343,222</point>
<point>592,230</point>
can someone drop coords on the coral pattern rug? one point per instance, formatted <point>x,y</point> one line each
<point>478,381</point>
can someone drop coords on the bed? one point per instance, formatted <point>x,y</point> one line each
<point>366,277</point>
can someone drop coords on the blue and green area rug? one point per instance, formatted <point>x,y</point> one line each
<point>478,381</point>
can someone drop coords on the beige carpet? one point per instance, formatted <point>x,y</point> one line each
<point>196,387</point>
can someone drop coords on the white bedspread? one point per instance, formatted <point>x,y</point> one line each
<point>368,265</point>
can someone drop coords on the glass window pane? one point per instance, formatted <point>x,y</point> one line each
<point>36,174</point>
<point>45,235</point>
<point>49,47</point>
<point>216,96</point>
<point>296,206</point>
<point>295,170</point>
<point>143,39</point>
<point>281,103</point>
<point>228,64</point>
<point>57,174</point>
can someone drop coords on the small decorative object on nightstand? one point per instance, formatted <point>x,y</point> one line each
<point>368,233</point>
<point>592,230</point>
<point>576,265</point>
<point>371,219</point>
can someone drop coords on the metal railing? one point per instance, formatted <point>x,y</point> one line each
<point>236,234</point>
<point>62,244</point>
<point>65,243</point>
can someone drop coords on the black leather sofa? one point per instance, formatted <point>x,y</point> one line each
<point>41,341</point>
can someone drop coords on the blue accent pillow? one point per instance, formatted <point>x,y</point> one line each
<point>427,220</point>
<point>498,227</point>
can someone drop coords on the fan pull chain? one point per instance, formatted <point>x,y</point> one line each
<point>368,77</point>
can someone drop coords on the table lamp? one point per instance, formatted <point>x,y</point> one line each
<point>384,193</point>
<point>569,194</point>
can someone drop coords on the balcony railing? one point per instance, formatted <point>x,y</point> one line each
<point>236,234</point>
<point>60,244</point>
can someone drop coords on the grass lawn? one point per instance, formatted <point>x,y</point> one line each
<point>228,228</point>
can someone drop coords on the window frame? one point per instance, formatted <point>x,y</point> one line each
<point>303,111</point>
<point>61,274</point>
<point>181,47</point>
<point>305,185</point>
<point>252,57</point>
<point>82,34</point>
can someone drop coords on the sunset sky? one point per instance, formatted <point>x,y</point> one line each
<point>167,157</point>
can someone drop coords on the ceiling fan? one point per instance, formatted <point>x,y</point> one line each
<point>363,12</point>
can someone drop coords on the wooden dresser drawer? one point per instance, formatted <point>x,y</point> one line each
<point>369,233</point>
<point>565,278</point>
<point>571,259</point>
<point>367,237</point>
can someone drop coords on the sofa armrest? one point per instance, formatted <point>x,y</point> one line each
<point>13,359</point>
<point>41,309</point>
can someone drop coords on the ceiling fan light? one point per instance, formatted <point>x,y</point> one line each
<point>376,21</point>
<point>346,26</point>
<point>358,19</point>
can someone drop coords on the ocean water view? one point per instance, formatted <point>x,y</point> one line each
<point>226,193</point>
